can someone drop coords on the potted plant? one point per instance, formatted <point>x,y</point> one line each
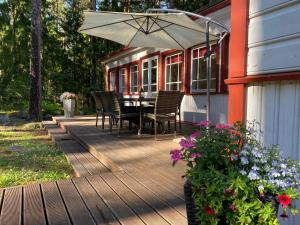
<point>68,100</point>
<point>233,179</point>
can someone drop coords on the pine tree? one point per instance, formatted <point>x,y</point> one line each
<point>36,43</point>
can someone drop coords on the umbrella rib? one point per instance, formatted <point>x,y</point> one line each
<point>104,25</point>
<point>141,27</point>
<point>160,27</point>
<point>170,35</point>
<point>153,22</point>
<point>185,27</point>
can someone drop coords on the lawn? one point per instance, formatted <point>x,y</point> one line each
<point>27,156</point>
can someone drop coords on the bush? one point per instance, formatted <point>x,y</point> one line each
<point>51,108</point>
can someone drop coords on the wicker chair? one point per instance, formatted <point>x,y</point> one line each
<point>166,108</point>
<point>99,107</point>
<point>116,111</point>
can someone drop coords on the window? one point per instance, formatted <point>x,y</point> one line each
<point>198,71</point>
<point>122,80</point>
<point>173,72</point>
<point>112,81</point>
<point>134,78</point>
<point>149,75</point>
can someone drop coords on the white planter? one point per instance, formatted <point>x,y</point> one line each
<point>69,107</point>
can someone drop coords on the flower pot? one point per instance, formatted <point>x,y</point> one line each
<point>69,107</point>
<point>189,202</point>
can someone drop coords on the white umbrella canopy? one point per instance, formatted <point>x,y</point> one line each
<point>156,30</point>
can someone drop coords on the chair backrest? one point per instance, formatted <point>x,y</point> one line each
<point>167,102</point>
<point>97,98</point>
<point>110,101</point>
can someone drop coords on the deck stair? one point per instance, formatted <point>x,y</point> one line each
<point>82,161</point>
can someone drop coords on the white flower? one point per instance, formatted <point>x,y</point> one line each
<point>244,161</point>
<point>255,168</point>
<point>261,188</point>
<point>253,175</point>
<point>243,172</point>
<point>283,165</point>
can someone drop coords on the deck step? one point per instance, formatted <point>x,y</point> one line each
<point>82,161</point>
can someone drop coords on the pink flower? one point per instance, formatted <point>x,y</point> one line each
<point>195,134</point>
<point>233,208</point>
<point>186,143</point>
<point>176,155</point>
<point>204,123</point>
<point>223,126</point>
<point>195,155</point>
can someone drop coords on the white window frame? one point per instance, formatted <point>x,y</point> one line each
<point>149,60</point>
<point>136,73</point>
<point>179,75</point>
<point>191,75</point>
<point>112,80</point>
<point>122,74</point>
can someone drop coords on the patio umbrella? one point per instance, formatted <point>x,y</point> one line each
<point>157,28</point>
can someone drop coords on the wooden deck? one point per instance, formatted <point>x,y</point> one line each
<point>124,180</point>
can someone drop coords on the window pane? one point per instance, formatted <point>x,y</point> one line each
<point>153,75</point>
<point>195,69</point>
<point>213,84</point>
<point>145,77</point>
<point>154,62</point>
<point>145,88</point>
<point>168,74</point>
<point>214,67</point>
<point>174,87</point>
<point>174,73</point>
<point>203,84</point>
<point>202,69</point>
<point>168,87</point>
<point>153,88</point>
<point>145,65</point>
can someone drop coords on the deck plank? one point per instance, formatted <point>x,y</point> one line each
<point>101,213</point>
<point>167,212</point>
<point>78,212</point>
<point>55,208</point>
<point>124,214</point>
<point>12,205</point>
<point>143,210</point>
<point>70,148</point>
<point>33,211</point>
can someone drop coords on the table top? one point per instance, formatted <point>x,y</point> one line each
<point>140,99</point>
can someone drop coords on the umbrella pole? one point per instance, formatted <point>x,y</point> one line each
<point>208,70</point>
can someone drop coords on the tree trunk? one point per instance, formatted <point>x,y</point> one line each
<point>35,78</point>
<point>94,58</point>
<point>171,4</point>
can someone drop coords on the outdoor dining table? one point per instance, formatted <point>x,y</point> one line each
<point>139,100</point>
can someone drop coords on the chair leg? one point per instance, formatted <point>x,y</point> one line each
<point>110,123</point>
<point>130,125</point>
<point>155,130</point>
<point>175,127</point>
<point>119,127</point>
<point>103,121</point>
<point>169,125</point>
<point>179,123</point>
<point>97,119</point>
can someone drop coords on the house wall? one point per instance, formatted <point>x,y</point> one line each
<point>274,36</point>
<point>274,60</point>
<point>274,47</point>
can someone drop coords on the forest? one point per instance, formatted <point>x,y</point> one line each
<point>68,60</point>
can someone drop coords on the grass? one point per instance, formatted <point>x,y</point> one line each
<point>28,156</point>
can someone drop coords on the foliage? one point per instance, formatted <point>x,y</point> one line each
<point>27,156</point>
<point>67,55</point>
<point>234,179</point>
